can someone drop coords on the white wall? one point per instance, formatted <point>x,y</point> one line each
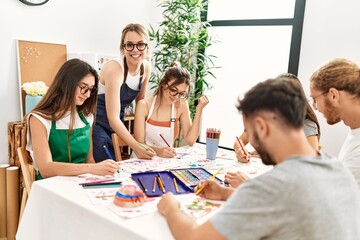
<point>331,30</point>
<point>84,26</point>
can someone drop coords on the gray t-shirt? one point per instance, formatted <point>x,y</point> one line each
<point>310,128</point>
<point>301,198</point>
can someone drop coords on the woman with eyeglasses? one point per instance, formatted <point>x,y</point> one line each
<point>59,127</point>
<point>121,82</point>
<point>157,118</point>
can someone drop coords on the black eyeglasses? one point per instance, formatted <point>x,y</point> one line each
<point>139,46</point>
<point>174,92</point>
<point>84,89</point>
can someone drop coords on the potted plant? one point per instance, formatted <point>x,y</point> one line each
<point>183,37</point>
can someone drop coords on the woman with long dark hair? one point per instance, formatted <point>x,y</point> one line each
<point>59,127</point>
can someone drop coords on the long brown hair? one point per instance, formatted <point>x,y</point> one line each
<point>59,98</point>
<point>310,114</point>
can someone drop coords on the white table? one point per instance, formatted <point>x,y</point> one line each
<point>58,208</point>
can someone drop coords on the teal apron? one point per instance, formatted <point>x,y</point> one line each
<point>79,144</point>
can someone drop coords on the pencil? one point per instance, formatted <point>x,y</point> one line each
<point>154,186</point>
<point>242,146</point>
<point>98,181</point>
<point>164,140</point>
<point>161,183</point>
<point>210,178</point>
<point>107,152</point>
<point>142,184</point>
<point>175,184</point>
<point>147,148</point>
<point>104,196</point>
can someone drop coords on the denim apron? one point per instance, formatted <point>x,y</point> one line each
<point>102,131</point>
<point>79,143</point>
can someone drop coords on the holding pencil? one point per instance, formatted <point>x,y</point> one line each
<point>165,152</point>
<point>210,178</point>
<point>243,150</point>
<point>147,148</point>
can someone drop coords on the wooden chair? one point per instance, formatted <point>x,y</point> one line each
<point>28,173</point>
<point>118,143</point>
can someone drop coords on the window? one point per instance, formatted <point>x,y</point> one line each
<point>258,39</point>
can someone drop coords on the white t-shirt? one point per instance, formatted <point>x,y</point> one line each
<point>350,153</point>
<point>63,123</point>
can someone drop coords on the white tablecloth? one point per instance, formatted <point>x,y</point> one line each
<point>57,208</point>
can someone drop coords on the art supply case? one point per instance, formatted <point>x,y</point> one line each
<point>186,179</point>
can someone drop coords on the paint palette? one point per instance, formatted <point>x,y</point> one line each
<point>186,180</point>
<point>192,176</point>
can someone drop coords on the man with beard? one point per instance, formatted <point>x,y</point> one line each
<point>307,195</point>
<point>335,90</point>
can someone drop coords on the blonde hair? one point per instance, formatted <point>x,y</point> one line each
<point>133,27</point>
<point>139,29</point>
<point>341,74</point>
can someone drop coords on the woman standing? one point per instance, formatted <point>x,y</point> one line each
<point>121,82</point>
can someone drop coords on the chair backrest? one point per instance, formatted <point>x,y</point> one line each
<point>117,143</point>
<point>27,168</point>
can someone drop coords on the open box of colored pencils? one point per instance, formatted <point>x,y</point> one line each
<point>177,181</point>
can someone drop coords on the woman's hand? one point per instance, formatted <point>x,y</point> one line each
<point>241,156</point>
<point>202,102</point>
<point>166,152</point>
<point>235,179</point>
<point>144,152</point>
<point>106,167</point>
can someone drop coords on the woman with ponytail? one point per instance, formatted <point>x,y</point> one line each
<point>121,82</point>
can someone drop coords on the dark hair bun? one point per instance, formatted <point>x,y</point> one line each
<point>175,64</point>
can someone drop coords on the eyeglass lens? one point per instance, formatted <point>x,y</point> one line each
<point>174,92</point>
<point>84,90</point>
<point>139,46</point>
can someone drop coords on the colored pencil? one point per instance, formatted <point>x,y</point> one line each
<point>161,183</point>
<point>154,186</point>
<point>164,140</point>
<point>242,146</point>
<point>104,196</point>
<point>102,185</point>
<point>210,178</point>
<point>142,185</point>
<point>97,182</point>
<point>175,184</point>
<point>107,152</point>
<point>147,148</point>
<point>213,133</point>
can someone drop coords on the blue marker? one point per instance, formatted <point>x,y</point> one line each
<point>107,152</point>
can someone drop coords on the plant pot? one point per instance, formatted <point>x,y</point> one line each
<point>31,101</point>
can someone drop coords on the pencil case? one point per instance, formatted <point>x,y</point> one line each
<point>186,180</point>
